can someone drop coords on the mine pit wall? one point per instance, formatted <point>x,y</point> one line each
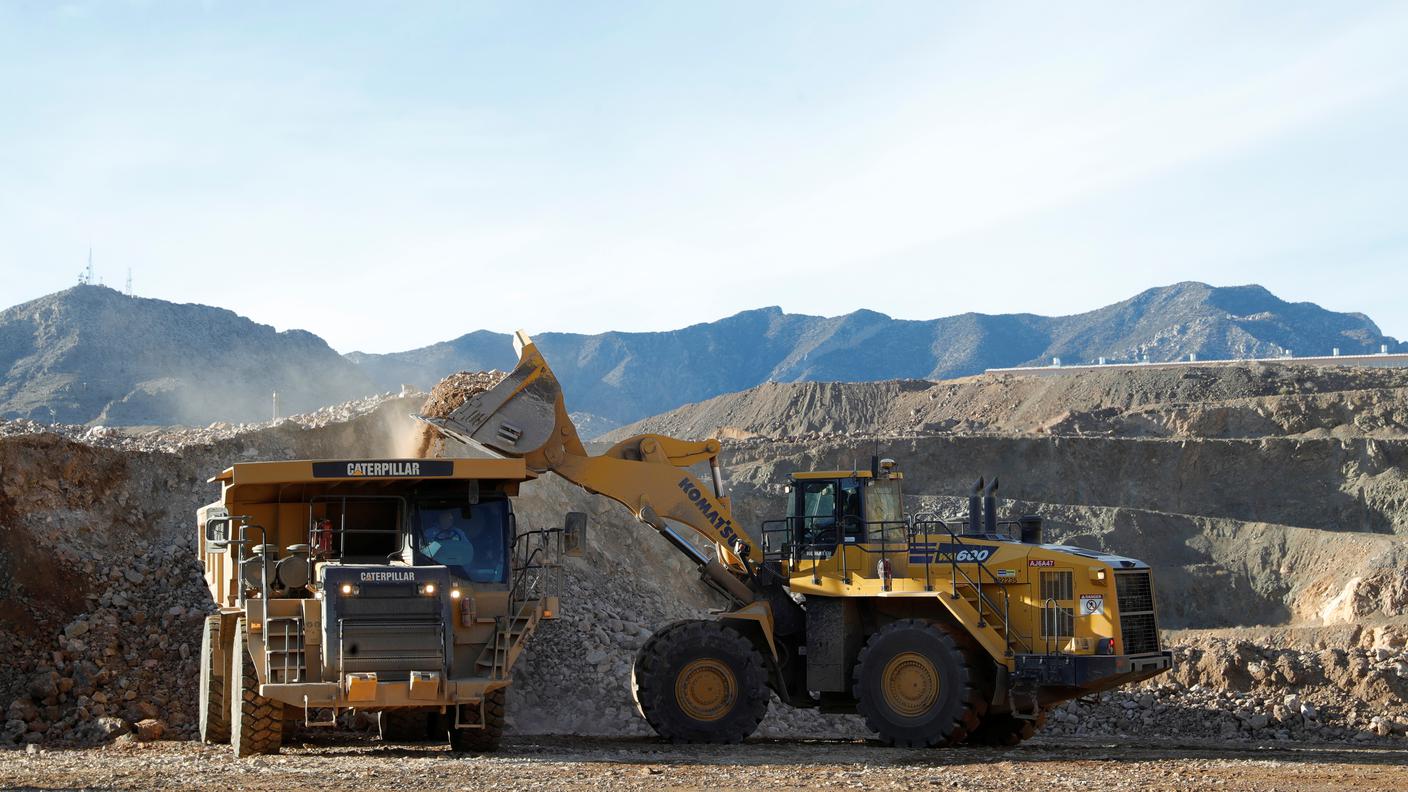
<point>75,520</point>
<point>1340,485</point>
<point>1257,532</point>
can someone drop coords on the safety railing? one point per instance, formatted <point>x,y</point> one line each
<point>533,565</point>
<point>963,554</point>
<point>803,538</point>
<point>327,537</point>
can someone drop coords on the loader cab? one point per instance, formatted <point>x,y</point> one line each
<point>830,508</point>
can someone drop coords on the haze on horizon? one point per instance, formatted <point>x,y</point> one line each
<point>388,178</point>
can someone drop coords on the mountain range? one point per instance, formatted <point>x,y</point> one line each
<point>92,354</point>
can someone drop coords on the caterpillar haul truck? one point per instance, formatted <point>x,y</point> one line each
<point>399,587</point>
<point>936,633</point>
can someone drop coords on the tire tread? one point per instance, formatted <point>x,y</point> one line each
<point>256,722</point>
<point>652,684</point>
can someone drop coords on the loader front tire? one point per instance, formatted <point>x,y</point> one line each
<point>700,682</point>
<point>256,722</point>
<point>488,738</point>
<point>914,685</point>
<point>214,721</point>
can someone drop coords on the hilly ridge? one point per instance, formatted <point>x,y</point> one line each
<point>93,355</point>
<point>626,376</point>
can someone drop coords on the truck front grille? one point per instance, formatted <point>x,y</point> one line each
<point>1139,630</point>
<point>385,622</point>
<point>391,647</point>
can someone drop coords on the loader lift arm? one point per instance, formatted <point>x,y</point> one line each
<point>524,416</point>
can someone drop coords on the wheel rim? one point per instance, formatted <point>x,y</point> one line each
<point>910,684</point>
<point>706,689</point>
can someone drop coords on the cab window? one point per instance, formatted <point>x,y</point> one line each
<point>816,501</point>
<point>884,511</point>
<point>848,508</point>
<point>472,540</point>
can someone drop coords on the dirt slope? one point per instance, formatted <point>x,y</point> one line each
<point>1224,402</point>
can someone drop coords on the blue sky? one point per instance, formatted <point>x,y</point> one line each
<point>391,175</point>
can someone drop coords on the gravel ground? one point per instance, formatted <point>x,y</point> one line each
<point>340,762</point>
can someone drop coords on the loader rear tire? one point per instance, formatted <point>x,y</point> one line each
<point>256,722</point>
<point>914,685</point>
<point>214,721</point>
<point>1005,730</point>
<point>700,682</point>
<point>487,739</point>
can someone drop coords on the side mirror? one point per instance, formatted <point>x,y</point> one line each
<point>217,534</point>
<point>574,534</point>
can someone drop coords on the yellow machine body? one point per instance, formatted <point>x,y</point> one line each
<point>1053,622</point>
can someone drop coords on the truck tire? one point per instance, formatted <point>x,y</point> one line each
<point>404,725</point>
<point>700,682</point>
<point>1005,730</point>
<point>914,685</point>
<point>214,721</point>
<point>256,722</point>
<point>487,739</point>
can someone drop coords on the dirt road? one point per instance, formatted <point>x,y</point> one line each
<point>328,762</point>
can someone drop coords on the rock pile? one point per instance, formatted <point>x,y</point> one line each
<point>126,663</point>
<point>173,439</point>
<point>1235,690</point>
<point>576,676</point>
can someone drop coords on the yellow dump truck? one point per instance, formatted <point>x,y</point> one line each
<point>404,588</point>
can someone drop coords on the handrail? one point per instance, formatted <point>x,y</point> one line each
<point>983,599</point>
<point>796,551</point>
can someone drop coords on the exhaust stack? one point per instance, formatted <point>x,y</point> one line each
<point>975,509</point>
<point>990,508</point>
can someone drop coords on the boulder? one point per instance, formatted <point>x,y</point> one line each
<point>150,729</point>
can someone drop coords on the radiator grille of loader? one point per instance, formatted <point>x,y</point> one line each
<point>1138,629</point>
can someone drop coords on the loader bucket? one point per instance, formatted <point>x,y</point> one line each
<point>516,417</point>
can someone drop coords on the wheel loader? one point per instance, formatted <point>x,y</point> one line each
<point>401,588</point>
<point>936,632</point>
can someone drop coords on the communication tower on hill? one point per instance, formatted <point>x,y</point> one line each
<point>85,278</point>
<point>128,288</point>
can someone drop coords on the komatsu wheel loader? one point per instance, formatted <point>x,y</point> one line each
<point>403,588</point>
<point>936,633</point>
